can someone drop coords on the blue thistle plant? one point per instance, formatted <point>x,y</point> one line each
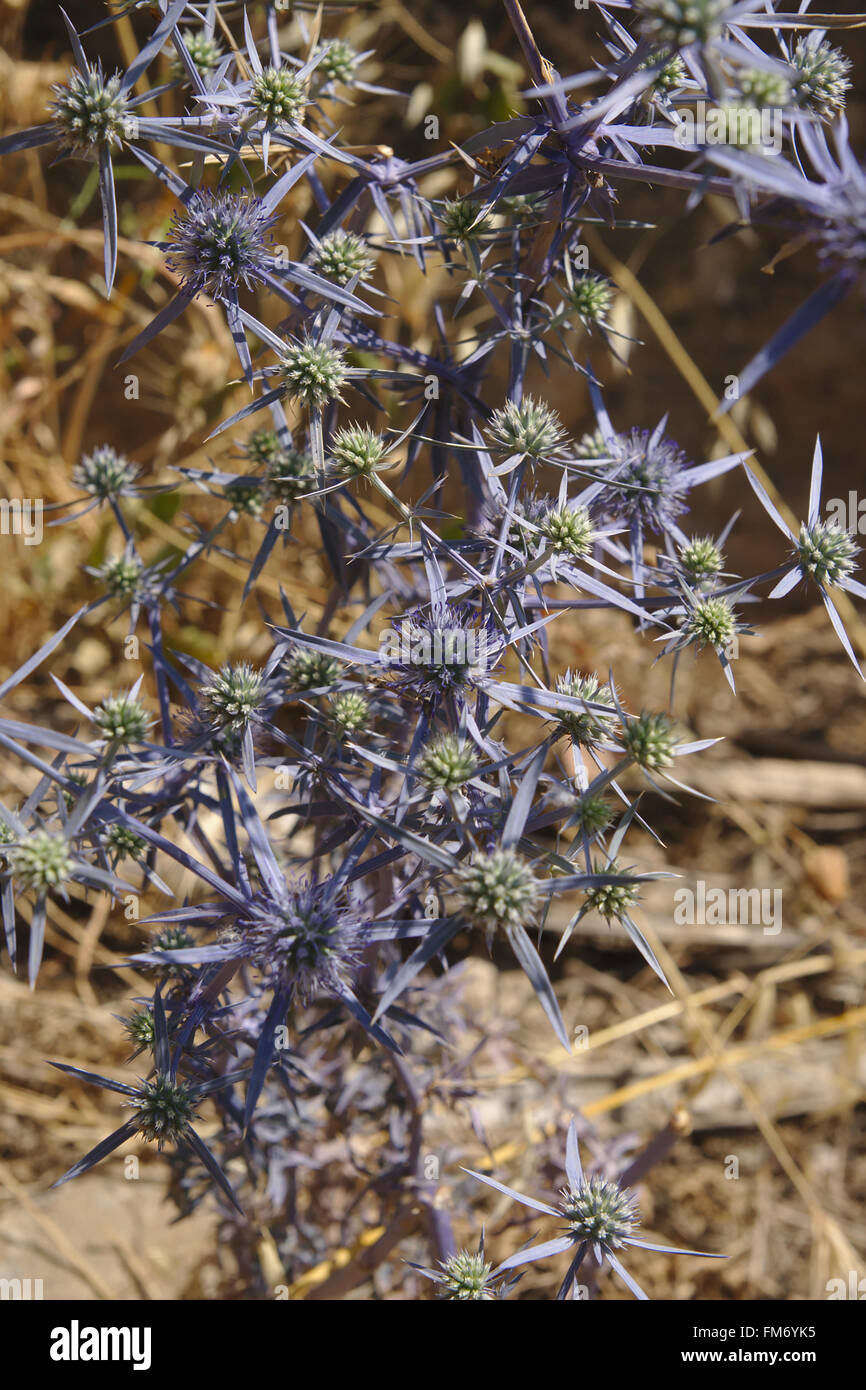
<point>220,241</point>
<point>600,1218</point>
<point>342,812</point>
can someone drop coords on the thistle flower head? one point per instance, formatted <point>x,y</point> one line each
<point>357,451</point>
<point>349,712</point>
<point>843,226</point>
<point>568,529</point>
<point>467,1275</point>
<point>741,125</point>
<point>528,508</point>
<point>647,481</point>
<point>439,649</point>
<point>173,939</point>
<point>342,255</point>
<point>712,622</point>
<point>826,552</point>
<point>122,842</point>
<point>277,95</point>
<point>234,695</point>
<point>337,61</point>
<point>447,762</point>
<point>121,575</point>
<point>590,296</point>
<point>122,719</point>
<point>308,669</point>
<point>532,428</point>
<point>313,372</point>
<point>671,75</point>
<point>593,446</point>
<point>764,89</point>
<point>497,890</point>
<point>304,938</point>
<point>678,23</point>
<point>41,861</point>
<point>593,813</point>
<point>164,1109</point>
<point>600,1211</point>
<point>612,900</point>
<point>204,49</point>
<point>522,206</point>
<point>104,473</point>
<point>290,472</point>
<point>247,499</point>
<point>220,241</point>
<point>820,77</point>
<point>139,1028</point>
<point>459,220</point>
<point>701,559</point>
<point>590,726</point>
<point>90,110</point>
<point>69,797</point>
<point>649,740</point>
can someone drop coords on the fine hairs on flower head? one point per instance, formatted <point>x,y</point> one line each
<point>390,530</point>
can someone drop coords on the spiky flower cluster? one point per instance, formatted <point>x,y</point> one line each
<point>349,712</point>
<point>204,49</point>
<point>591,297</point>
<point>820,79</point>
<point>307,942</point>
<point>587,727</point>
<point>593,446</point>
<point>277,95</point>
<point>441,649</point>
<point>234,695</point>
<point>122,719</point>
<point>138,1027</point>
<point>612,900</point>
<point>568,529</point>
<point>497,890</point>
<point>337,61</point>
<point>41,861</point>
<point>173,939</point>
<point>701,558</point>
<point>646,481</point>
<point>467,1275</point>
<point>220,241</point>
<point>91,110</point>
<point>104,473</point>
<point>461,219</point>
<point>312,372</point>
<point>649,739</point>
<point>308,669</point>
<point>123,842</point>
<point>121,575</point>
<point>826,552</point>
<point>600,1211</point>
<point>247,499</point>
<point>671,75</point>
<point>164,1109</point>
<point>447,762</point>
<point>593,814</point>
<point>357,451</point>
<point>764,89</point>
<point>677,23</point>
<point>712,622</point>
<point>290,472</point>
<point>531,428</point>
<point>341,256</point>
